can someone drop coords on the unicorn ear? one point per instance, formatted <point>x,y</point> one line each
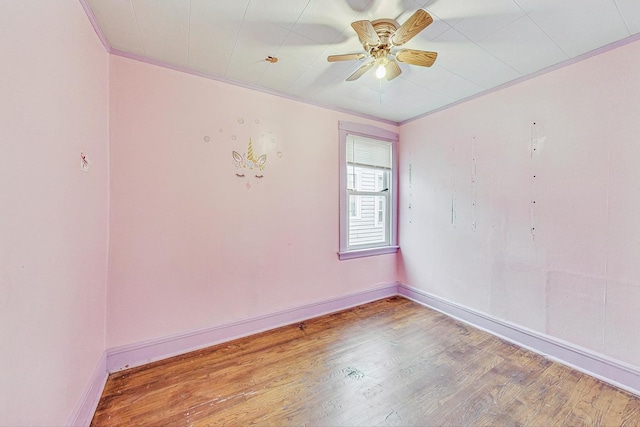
<point>237,157</point>
<point>262,160</point>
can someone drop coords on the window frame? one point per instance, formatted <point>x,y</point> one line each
<point>372,132</point>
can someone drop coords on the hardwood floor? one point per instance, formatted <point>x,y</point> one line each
<point>391,362</point>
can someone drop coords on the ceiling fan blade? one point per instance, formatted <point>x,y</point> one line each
<point>417,57</point>
<point>393,70</point>
<point>366,32</point>
<point>360,71</point>
<point>416,23</point>
<point>345,57</point>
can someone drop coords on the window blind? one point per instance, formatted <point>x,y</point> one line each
<point>363,151</point>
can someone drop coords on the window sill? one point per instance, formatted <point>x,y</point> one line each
<point>368,252</point>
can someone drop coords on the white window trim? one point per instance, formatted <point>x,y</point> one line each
<point>368,131</point>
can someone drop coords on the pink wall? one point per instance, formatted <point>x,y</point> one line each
<point>54,218</point>
<point>577,277</point>
<point>192,244</point>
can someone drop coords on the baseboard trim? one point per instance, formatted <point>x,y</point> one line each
<point>609,370</point>
<point>86,407</point>
<point>128,356</point>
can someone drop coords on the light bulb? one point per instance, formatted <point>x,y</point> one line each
<point>381,71</point>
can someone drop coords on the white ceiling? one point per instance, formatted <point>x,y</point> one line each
<point>481,44</point>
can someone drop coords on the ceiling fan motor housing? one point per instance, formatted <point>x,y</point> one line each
<point>384,28</point>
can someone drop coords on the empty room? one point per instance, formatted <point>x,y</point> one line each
<point>319,212</point>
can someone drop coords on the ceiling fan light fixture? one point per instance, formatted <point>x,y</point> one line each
<point>381,69</point>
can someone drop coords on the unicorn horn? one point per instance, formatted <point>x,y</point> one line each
<point>250,152</point>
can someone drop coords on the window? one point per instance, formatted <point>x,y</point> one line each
<point>354,205</point>
<point>380,209</point>
<point>368,188</point>
<point>354,208</point>
<point>380,201</point>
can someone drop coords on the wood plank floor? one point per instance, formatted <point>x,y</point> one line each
<point>387,363</point>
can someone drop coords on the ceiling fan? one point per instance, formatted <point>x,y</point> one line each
<point>380,38</point>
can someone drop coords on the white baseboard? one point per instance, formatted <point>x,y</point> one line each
<point>604,368</point>
<point>137,354</point>
<point>86,407</point>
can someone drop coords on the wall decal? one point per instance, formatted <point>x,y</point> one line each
<point>262,140</point>
<point>84,162</point>
<point>249,160</point>
<point>238,159</point>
